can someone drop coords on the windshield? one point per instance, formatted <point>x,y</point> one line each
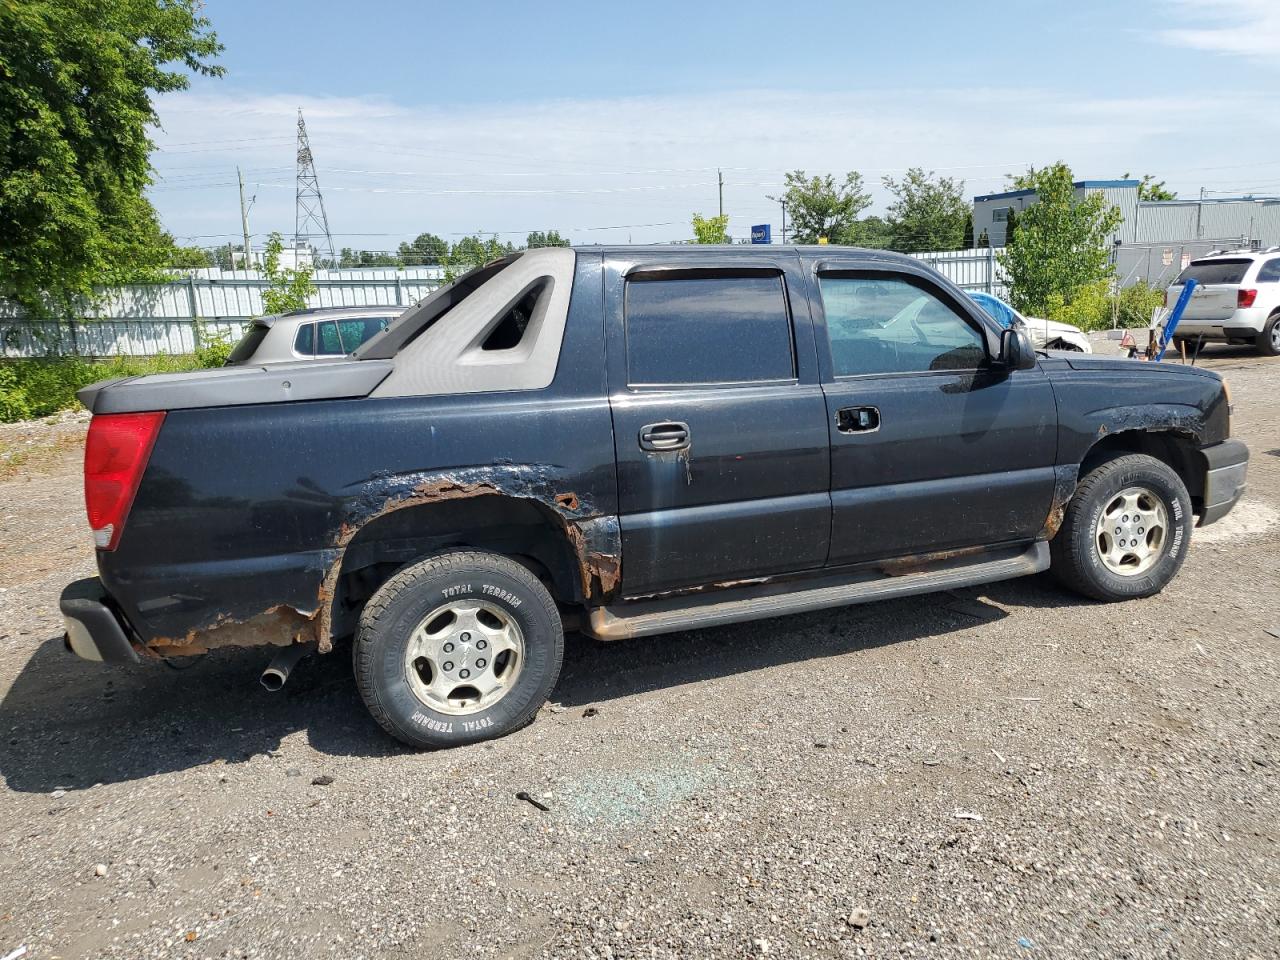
<point>1215,271</point>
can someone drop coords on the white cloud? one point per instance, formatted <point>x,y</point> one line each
<point>644,164</point>
<point>1249,28</point>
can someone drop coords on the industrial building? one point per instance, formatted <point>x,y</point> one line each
<point>1248,221</point>
<point>1156,238</point>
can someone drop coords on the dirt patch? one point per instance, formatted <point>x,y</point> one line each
<point>708,792</point>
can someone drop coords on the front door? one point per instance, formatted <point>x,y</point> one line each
<point>719,423</point>
<point>934,446</point>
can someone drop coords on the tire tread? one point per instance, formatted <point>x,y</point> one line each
<point>1068,564</point>
<point>409,578</point>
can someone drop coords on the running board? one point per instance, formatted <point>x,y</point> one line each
<point>645,618</point>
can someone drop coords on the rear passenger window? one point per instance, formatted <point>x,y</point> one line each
<point>708,329</point>
<point>1270,272</point>
<point>887,325</point>
<point>304,339</point>
<point>329,340</point>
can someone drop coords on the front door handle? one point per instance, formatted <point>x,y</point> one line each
<point>668,435</point>
<point>858,420</point>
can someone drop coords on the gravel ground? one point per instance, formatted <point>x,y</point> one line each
<point>1002,772</point>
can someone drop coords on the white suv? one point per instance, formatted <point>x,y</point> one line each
<point>1237,300</point>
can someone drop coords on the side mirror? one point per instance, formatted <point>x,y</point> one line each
<point>1017,352</point>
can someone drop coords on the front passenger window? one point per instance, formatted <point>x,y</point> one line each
<point>887,325</point>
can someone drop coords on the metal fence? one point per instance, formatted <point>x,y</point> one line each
<point>1158,264</point>
<point>976,269</point>
<point>170,318</point>
<point>147,320</point>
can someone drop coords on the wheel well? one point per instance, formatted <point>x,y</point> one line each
<point>1179,451</point>
<point>522,530</point>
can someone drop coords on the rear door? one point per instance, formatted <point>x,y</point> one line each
<point>932,446</point>
<point>719,421</point>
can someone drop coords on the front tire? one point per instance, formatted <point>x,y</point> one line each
<point>458,648</point>
<point>1268,342</point>
<point>1126,530</point>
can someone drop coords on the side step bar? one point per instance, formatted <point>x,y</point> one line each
<point>646,618</point>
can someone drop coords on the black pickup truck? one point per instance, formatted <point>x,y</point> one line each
<point>627,441</point>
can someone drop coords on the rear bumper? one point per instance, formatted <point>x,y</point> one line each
<point>1224,480</point>
<point>1242,325</point>
<point>94,632</point>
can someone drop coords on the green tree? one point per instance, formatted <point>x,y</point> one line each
<point>819,207</point>
<point>378,258</point>
<point>1061,245</point>
<point>426,248</point>
<point>929,212</point>
<point>189,258</point>
<point>78,81</point>
<point>1151,189</point>
<point>550,238</point>
<point>471,252</point>
<point>1010,226</point>
<point>870,232</point>
<point>222,257</point>
<point>288,287</point>
<point>710,229</point>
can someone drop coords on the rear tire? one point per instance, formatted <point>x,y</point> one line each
<point>1268,342</point>
<point>458,648</point>
<point>1126,530</point>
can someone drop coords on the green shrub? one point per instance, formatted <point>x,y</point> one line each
<point>1095,307</point>
<point>38,388</point>
<point>1089,309</point>
<point>212,349</point>
<point>13,400</point>
<point>1137,303</point>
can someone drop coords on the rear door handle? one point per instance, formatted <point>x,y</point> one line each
<point>668,435</point>
<point>858,420</point>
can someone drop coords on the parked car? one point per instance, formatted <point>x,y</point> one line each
<point>1237,299</point>
<point>1045,334</point>
<point>310,334</point>
<point>629,441</point>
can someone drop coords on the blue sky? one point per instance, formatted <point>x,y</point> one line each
<point>608,122</point>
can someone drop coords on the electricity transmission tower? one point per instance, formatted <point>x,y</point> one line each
<point>310,219</point>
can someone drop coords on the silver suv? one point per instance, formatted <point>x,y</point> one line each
<point>315,334</point>
<point>1237,300</point>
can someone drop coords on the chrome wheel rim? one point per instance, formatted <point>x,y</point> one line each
<point>464,656</point>
<point>1132,532</point>
<point>1275,335</point>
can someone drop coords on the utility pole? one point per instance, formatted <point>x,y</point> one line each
<point>1200,215</point>
<point>720,178</point>
<point>244,223</point>
<point>784,221</point>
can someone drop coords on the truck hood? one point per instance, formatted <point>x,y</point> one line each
<point>236,386</point>
<point>1090,362</point>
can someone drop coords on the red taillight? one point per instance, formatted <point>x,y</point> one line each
<point>1245,298</point>
<point>115,454</point>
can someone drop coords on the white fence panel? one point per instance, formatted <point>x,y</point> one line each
<point>976,269</point>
